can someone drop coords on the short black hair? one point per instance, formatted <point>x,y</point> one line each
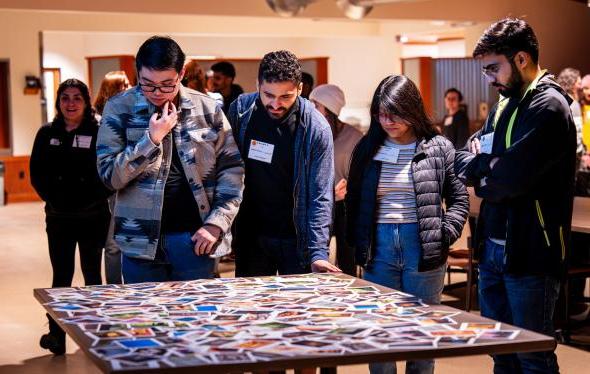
<point>453,89</point>
<point>160,53</point>
<point>307,78</point>
<point>224,67</point>
<point>508,37</point>
<point>279,66</point>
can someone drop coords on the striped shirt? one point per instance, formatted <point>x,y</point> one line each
<point>396,198</point>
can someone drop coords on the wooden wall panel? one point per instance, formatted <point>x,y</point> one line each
<point>17,180</point>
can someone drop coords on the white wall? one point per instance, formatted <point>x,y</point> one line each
<point>356,64</point>
<point>443,49</point>
<point>361,53</point>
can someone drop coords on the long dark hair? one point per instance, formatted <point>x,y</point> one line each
<point>88,110</point>
<point>398,96</point>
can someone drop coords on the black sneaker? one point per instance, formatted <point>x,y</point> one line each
<point>56,344</point>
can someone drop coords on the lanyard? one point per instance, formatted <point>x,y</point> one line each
<point>504,101</point>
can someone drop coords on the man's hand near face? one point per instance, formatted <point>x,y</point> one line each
<point>160,127</point>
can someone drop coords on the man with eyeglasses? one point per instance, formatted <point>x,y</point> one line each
<point>169,153</point>
<point>283,224</point>
<point>522,164</point>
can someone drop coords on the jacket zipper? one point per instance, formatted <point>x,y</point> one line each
<point>542,222</point>
<point>562,243</point>
<point>301,155</point>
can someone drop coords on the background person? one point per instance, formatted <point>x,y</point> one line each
<point>113,83</point>
<point>224,74</point>
<point>456,122</point>
<point>63,172</point>
<point>329,100</point>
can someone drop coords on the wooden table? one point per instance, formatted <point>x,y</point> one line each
<point>318,326</point>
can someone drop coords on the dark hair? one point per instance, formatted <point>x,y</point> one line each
<point>567,79</point>
<point>112,83</point>
<point>194,72</point>
<point>399,96</point>
<point>453,89</point>
<point>160,53</point>
<point>81,86</point>
<point>307,78</point>
<point>279,66</point>
<point>224,67</point>
<point>508,37</point>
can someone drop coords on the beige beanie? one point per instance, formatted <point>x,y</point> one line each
<point>330,96</point>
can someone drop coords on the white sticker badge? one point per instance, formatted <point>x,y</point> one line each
<point>82,141</point>
<point>387,154</point>
<point>261,151</point>
<point>487,141</point>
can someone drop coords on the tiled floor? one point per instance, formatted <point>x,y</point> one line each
<point>24,265</point>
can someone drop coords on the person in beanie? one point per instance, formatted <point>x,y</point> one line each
<point>329,100</point>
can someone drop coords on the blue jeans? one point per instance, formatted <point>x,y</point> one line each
<point>175,261</point>
<point>395,265</point>
<point>526,301</point>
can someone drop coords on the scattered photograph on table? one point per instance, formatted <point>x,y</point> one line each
<point>480,326</point>
<point>237,320</point>
<point>499,335</point>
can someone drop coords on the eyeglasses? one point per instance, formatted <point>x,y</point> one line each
<point>152,88</point>
<point>390,118</point>
<point>489,71</point>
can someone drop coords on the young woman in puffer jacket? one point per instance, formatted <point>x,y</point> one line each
<point>401,173</point>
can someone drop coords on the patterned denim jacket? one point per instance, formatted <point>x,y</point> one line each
<point>131,164</point>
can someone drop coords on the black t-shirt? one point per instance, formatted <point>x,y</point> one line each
<point>268,194</point>
<point>180,212</point>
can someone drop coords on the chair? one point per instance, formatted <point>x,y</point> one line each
<point>461,261</point>
<point>573,271</point>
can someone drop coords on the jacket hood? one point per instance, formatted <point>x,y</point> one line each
<point>548,81</point>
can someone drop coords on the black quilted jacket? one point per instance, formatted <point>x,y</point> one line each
<point>434,181</point>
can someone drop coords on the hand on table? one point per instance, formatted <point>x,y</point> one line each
<point>323,266</point>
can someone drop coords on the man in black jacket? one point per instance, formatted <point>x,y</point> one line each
<point>522,164</point>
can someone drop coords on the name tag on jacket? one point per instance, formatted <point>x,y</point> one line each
<point>82,141</point>
<point>261,151</point>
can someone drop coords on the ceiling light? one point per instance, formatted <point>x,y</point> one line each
<point>288,8</point>
<point>353,8</point>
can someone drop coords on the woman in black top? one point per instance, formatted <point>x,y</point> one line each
<point>63,172</point>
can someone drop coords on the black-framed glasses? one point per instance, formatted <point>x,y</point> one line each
<point>152,87</point>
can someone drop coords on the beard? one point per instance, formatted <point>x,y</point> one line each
<point>280,115</point>
<point>514,86</point>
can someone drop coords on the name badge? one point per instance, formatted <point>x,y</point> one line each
<point>82,141</point>
<point>487,141</point>
<point>448,121</point>
<point>387,154</point>
<point>54,141</point>
<point>261,151</point>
